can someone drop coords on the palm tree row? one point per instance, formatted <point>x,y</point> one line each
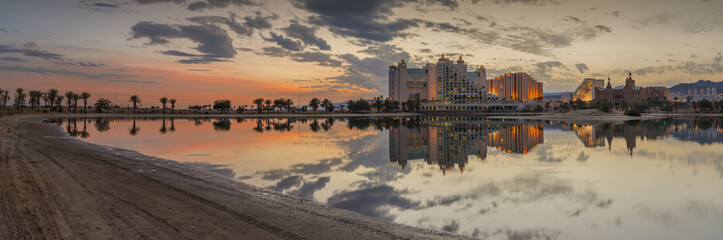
<point>268,104</point>
<point>50,98</point>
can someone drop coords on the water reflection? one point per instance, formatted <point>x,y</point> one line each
<point>496,179</point>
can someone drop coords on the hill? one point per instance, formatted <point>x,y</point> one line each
<point>683,87</point>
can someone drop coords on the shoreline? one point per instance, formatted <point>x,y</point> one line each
<point>58,187</point>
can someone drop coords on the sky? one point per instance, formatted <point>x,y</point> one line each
<point>197,51</point>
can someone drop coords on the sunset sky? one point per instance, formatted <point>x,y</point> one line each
<point>199,50</point>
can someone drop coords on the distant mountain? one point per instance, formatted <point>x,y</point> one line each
<point>683,87</point>
<point>554,93</point>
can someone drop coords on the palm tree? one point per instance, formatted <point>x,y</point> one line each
<point>164,101</point>
<point>268,105</point>
<point>326,103</point>
<point>288,102</point>
<point>69,98</point>
<point>173,105</point>
<point>76,98</point>
<point>259,102</point>
<point>135,99</point>
<point>85,96</point>
<point>52,95</point>
<point>60,100</point>
<point>4,96</point>
<point>35,97</point>
<point>20,96</point>
<point>314,103</point>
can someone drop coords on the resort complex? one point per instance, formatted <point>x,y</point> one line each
<point>448,86</point>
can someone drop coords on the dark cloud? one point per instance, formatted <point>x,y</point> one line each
<point>317,57</point>
<point>198,70</point>
<point>581,67</point>
<point>528,2</point>
<point>90,64</point>
<point>372,201</point>
<point>573,19</point>
<point>13,59</point>
<point>209,4</point>
<point>603,28</point>
<point>364,19</point>
<point>425,50</point>
<point>157,33</point>
<point>158,1</point>
<point>451,227</point>
<point>308,189</point>
<point>451,4</point>
<point>273,51</point>
<point>243,27</point>
<point>213,41</point>
<point>582,157</point>
<point>307,35</point>
<point>102,5</point>
<point>110,77</point>
<point>370,72</point>
<point>31,52</point>
<point>287,43</point>
<point>3,30</point>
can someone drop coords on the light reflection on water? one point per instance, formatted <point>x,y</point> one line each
<point>498,179</point>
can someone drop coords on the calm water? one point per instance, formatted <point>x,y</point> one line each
<point>494,179</point>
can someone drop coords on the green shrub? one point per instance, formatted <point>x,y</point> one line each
<point>632,112</point>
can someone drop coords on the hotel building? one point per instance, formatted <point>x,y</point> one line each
<point>629,92</point>
<point>448,86</point>
<point>519,87</point>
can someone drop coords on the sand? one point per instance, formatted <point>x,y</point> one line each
<point>53,186</point>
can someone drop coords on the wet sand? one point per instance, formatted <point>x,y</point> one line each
<point>53,186</point>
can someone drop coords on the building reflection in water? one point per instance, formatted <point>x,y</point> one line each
<point>701,130</point>
<point>450,141</point>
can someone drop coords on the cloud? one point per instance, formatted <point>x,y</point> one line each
<point>210,4</point>
<point>110,77</point>
<point>451,4</point>
<point>581,67</point>
<point>3,30</point>
<point>372,201</point>
<point>537,41</point>
<point>370,72</point>
<point>322,59</point>
<point>13,59</point>
<point>158,1</point>
<point>290,44</point>
<point>307,35</point>
<point>603,28</point>
<point>318,57</point>
<point>90,64</point>
<point>157,33</point>
<point>213,41</point>
<point>582,157</point>
<point>31,52</point>
<point>364,19</point>
<point>273,51</point>
<point>245,28</point>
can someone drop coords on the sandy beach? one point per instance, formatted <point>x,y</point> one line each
<point>53,186</point>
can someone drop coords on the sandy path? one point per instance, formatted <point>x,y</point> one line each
<point>53,186</point>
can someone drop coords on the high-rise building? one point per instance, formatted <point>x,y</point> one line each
<point>585,90</point>
<point>516,87</point>
<point>445,81</point>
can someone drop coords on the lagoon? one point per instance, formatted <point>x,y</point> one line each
<point>495,179</point>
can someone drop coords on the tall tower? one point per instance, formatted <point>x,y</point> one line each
<point>629,82</point>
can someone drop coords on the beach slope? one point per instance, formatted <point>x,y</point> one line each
<point>53,186</point>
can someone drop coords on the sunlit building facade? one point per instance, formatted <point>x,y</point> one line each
<point>446,80</point>
<point>519,87</point>
<point>584,92</point>
<point>630,92</point>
